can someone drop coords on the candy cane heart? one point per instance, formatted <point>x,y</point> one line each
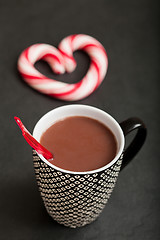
<point>61,60</point>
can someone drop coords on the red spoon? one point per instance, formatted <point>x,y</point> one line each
<point>33,142</point>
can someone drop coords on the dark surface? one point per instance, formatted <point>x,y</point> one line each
<point>129,31</point>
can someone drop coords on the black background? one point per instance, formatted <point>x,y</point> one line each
<point>129,31</point>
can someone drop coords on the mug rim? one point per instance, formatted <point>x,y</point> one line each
<point>115,159</point>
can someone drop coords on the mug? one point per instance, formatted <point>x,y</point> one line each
<point>75,199</point>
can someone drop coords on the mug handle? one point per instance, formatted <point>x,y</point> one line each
<point>128,126</point>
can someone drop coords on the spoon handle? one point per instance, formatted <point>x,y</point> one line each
<point>33,142</point>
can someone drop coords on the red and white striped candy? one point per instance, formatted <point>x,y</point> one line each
<point>61,60</point>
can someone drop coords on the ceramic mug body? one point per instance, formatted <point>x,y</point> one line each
<point>75,199</point>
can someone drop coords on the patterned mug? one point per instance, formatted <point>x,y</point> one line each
<point>75,199</point>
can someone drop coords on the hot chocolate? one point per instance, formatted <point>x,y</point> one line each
<point>80,144</point>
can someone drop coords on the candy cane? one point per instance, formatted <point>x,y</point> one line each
<point>61,60</point>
